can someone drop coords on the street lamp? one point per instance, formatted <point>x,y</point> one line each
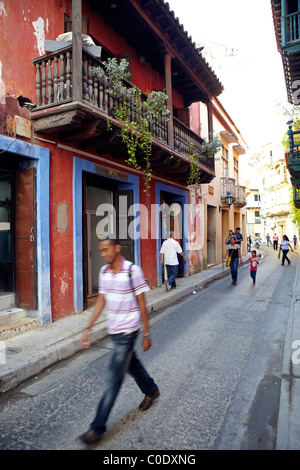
<point>229,201</point>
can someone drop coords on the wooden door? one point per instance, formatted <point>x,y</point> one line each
<point>25,239</point>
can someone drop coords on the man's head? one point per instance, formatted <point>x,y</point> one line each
<point>110,248</point>
<point>238,229</point>
<point>171,235</point>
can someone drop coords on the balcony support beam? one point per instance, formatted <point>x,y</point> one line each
<point>168,83</point>
<point>77,50</point>
<point>210,121</point>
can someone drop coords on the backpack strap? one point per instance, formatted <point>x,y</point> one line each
<point>130,278</point>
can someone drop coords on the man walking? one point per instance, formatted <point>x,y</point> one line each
<point>121,291</point>
<point>238,236</point>
<point>168,254</point>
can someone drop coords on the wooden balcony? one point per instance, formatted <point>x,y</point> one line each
<point>296,197</point>
<point>80,113</point>
<point>293,160</point>
<point>240,196</point>
<point>227,185</point>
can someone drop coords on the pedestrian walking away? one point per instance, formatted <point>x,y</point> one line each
<point>295,242</point>
<point>234,252</point>
<point>275,241</point>
<point>238,236</point>
<point>254,261</point>
<point>121,291</point>
<point>284,247</point>
<point>268,238</point>
<point>168,253</point>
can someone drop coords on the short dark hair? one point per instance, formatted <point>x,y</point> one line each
<point>253,251</point>
<point>238,228</point>
<point>114,240</point>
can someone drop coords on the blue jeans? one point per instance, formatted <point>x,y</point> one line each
<point>124,360</point>
<point>172,271</point>
<point>234,268</point>
<point>253,275</point>
<point>284,256</point>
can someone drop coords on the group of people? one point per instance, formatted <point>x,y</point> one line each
<point>284,246</point>
<point>122,290</point>
<point>234,255</point>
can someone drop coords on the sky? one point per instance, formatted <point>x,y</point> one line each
<point>253,77</point>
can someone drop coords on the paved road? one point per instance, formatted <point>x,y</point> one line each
<point>216,356</point>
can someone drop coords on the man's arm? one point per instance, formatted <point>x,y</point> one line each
<point>85,339</point>
<point>146,342</point>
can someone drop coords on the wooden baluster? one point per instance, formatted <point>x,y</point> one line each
<point>84,80</point>
<point>43,83</point>
<point>105,102</point>
<point>96,91</point>
<point>55,80</point>
<point>38,85</point>
<point>101,94</point>
<point>62,77</point>
<point>90,82</point>
<point>49,81</point>
<point>68,76</point>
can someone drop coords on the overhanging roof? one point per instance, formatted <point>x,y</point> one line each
<point>152,29</point>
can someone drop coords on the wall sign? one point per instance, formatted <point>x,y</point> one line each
<point>111,172</point>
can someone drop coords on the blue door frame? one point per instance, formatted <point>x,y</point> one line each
<point>39,158</point>
<point>79,166</point>
<point>180,195</point>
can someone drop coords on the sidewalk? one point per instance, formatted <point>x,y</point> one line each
<point>29,353</point>
<point>288,429</point>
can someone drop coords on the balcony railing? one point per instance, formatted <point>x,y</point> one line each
<point>227,185</point>
<point>54,87</point>
<point>293,163</point>
<point>292,27</point>
<point>240,196</point>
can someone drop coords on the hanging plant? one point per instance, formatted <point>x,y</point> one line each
<point>194,178</point>
<point>208,150</point>
<point>134,113</point>
<point>211,147</point>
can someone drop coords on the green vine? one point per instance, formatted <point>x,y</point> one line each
<point>135,114</point>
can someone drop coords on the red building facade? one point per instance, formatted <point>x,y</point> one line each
<point>64,180</point>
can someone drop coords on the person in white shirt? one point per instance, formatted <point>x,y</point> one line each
<point>284,247</point>
<point>168,254</point>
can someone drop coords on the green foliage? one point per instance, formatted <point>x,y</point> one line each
<point>135,113</point>
<point>212,146</point>
<point>290,113</point>
<point>208,150</point>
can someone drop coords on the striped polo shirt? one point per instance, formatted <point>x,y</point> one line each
<point>122,311</point>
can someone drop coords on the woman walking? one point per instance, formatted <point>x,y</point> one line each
<point>234,252</point>
<point>284,247</point>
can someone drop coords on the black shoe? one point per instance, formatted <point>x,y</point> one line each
<point>89,437</point>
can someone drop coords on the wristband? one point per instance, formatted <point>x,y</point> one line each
<point>148,335</point>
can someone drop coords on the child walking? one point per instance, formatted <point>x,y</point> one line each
<point>253,266</point>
